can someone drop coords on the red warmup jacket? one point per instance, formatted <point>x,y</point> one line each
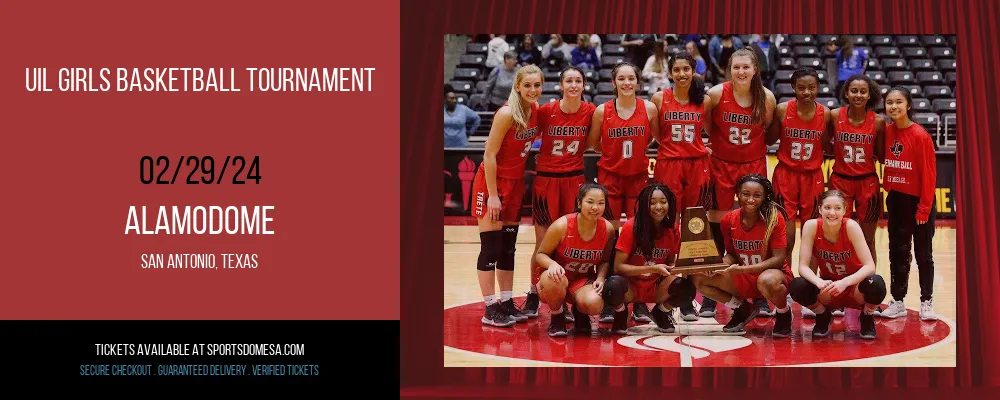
<point>910,165</point>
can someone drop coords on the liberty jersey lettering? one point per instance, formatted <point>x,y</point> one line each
<point>836,260</point>
<point>513,154</point>
<point>664,247</point>
<point>748,245</point>
<point>680,129</point>
<point>624,141</point>
<point>734,136</point>
<point>564,137</point>
<point>800,146</point>
<point>854,146</point>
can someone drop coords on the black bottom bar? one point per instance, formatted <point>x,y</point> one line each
<point>226,352</point>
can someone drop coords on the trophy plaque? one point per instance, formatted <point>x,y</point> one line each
<point>697,252</point>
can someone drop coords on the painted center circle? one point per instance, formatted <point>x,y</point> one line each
<point>644,347</point>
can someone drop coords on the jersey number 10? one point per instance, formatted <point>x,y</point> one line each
<point>750,260</point>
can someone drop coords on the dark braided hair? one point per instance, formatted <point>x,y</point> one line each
<point>583,192</point>
<point>614,74</point>
<point>696,94</point>
<point>874,91</point>
<point>642,226</point>
<point>769,209</point>
<point>804,72</point>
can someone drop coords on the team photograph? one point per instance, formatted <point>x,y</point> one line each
<point>699,200</point>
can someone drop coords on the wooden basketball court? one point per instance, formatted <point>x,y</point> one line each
<point>461,251</point>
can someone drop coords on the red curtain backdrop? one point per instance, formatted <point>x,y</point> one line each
<point>975,24</point>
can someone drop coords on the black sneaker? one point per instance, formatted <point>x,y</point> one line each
<point>867,326</point>
<point>620,324</point>
<point>782,324</point>
<point>640,313</point>
<point>745,313</point>
<point>530,308</point>
<point>707,309</point>
<point>765,308</point>
<point>688,313</point>
<point>495,316</point>
<point>607,315</point>
<point>557,326</point>
<point>509,308</point>
<point>823,322</point>
<point>664,319</point>
<point>582,324</point>
<point>569,315</point>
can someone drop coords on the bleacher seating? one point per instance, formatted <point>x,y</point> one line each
<point>923,64</point>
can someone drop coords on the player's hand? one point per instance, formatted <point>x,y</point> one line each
<point>836,288</point>
<point>824,285</point>
<point>493,208</point>
<point>599,285</point>
<point>663,269</point>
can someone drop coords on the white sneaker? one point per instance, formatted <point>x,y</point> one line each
<point>896,309</point>
<point>927,311</point>
<point>807,313</point>
<point>838,312</point>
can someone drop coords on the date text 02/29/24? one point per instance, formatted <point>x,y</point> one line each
<point>199,170</point>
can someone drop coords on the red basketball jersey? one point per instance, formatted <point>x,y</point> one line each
<point>680,129</point>
<point>624,141</point>
<point>734,136</point>
<point>800,147</point>
<point>579,257</point>
<point>747,245</point>
<point>664,248</point>
<point>836,260</point>
<point>513,154</point>
<point>854,147</point>
<point>564,137</point>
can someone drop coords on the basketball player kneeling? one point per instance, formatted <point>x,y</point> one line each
<point>646,252</point>
<point>574,256</point>
<point>846,269</point>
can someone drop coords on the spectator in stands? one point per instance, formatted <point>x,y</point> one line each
<point>655,70</point>
<point>528,53</point>
<point>829,54</point>
<point>457,118</point>
<point>850,62</point>
<point>584,55</point>
<point>701,69</point>
<point>556,44</point>
<point>501,81</point>
<point>497,47</point>
<point>638,48</point>
<point>720,48</point>
<point>767,53</point>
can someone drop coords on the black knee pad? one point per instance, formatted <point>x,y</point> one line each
<point>873,287</point>
<point>509,242</point>
<point>803,292</point>
<point>681,292</point>
<point>615,287</point>
<point>489,253</point>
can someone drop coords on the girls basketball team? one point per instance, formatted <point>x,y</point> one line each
<point>585,264</point>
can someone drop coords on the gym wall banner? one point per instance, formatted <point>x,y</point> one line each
<point>178,192</point>
<point>460,166</point>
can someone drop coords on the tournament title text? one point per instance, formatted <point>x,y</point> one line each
<point>193,79</point>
